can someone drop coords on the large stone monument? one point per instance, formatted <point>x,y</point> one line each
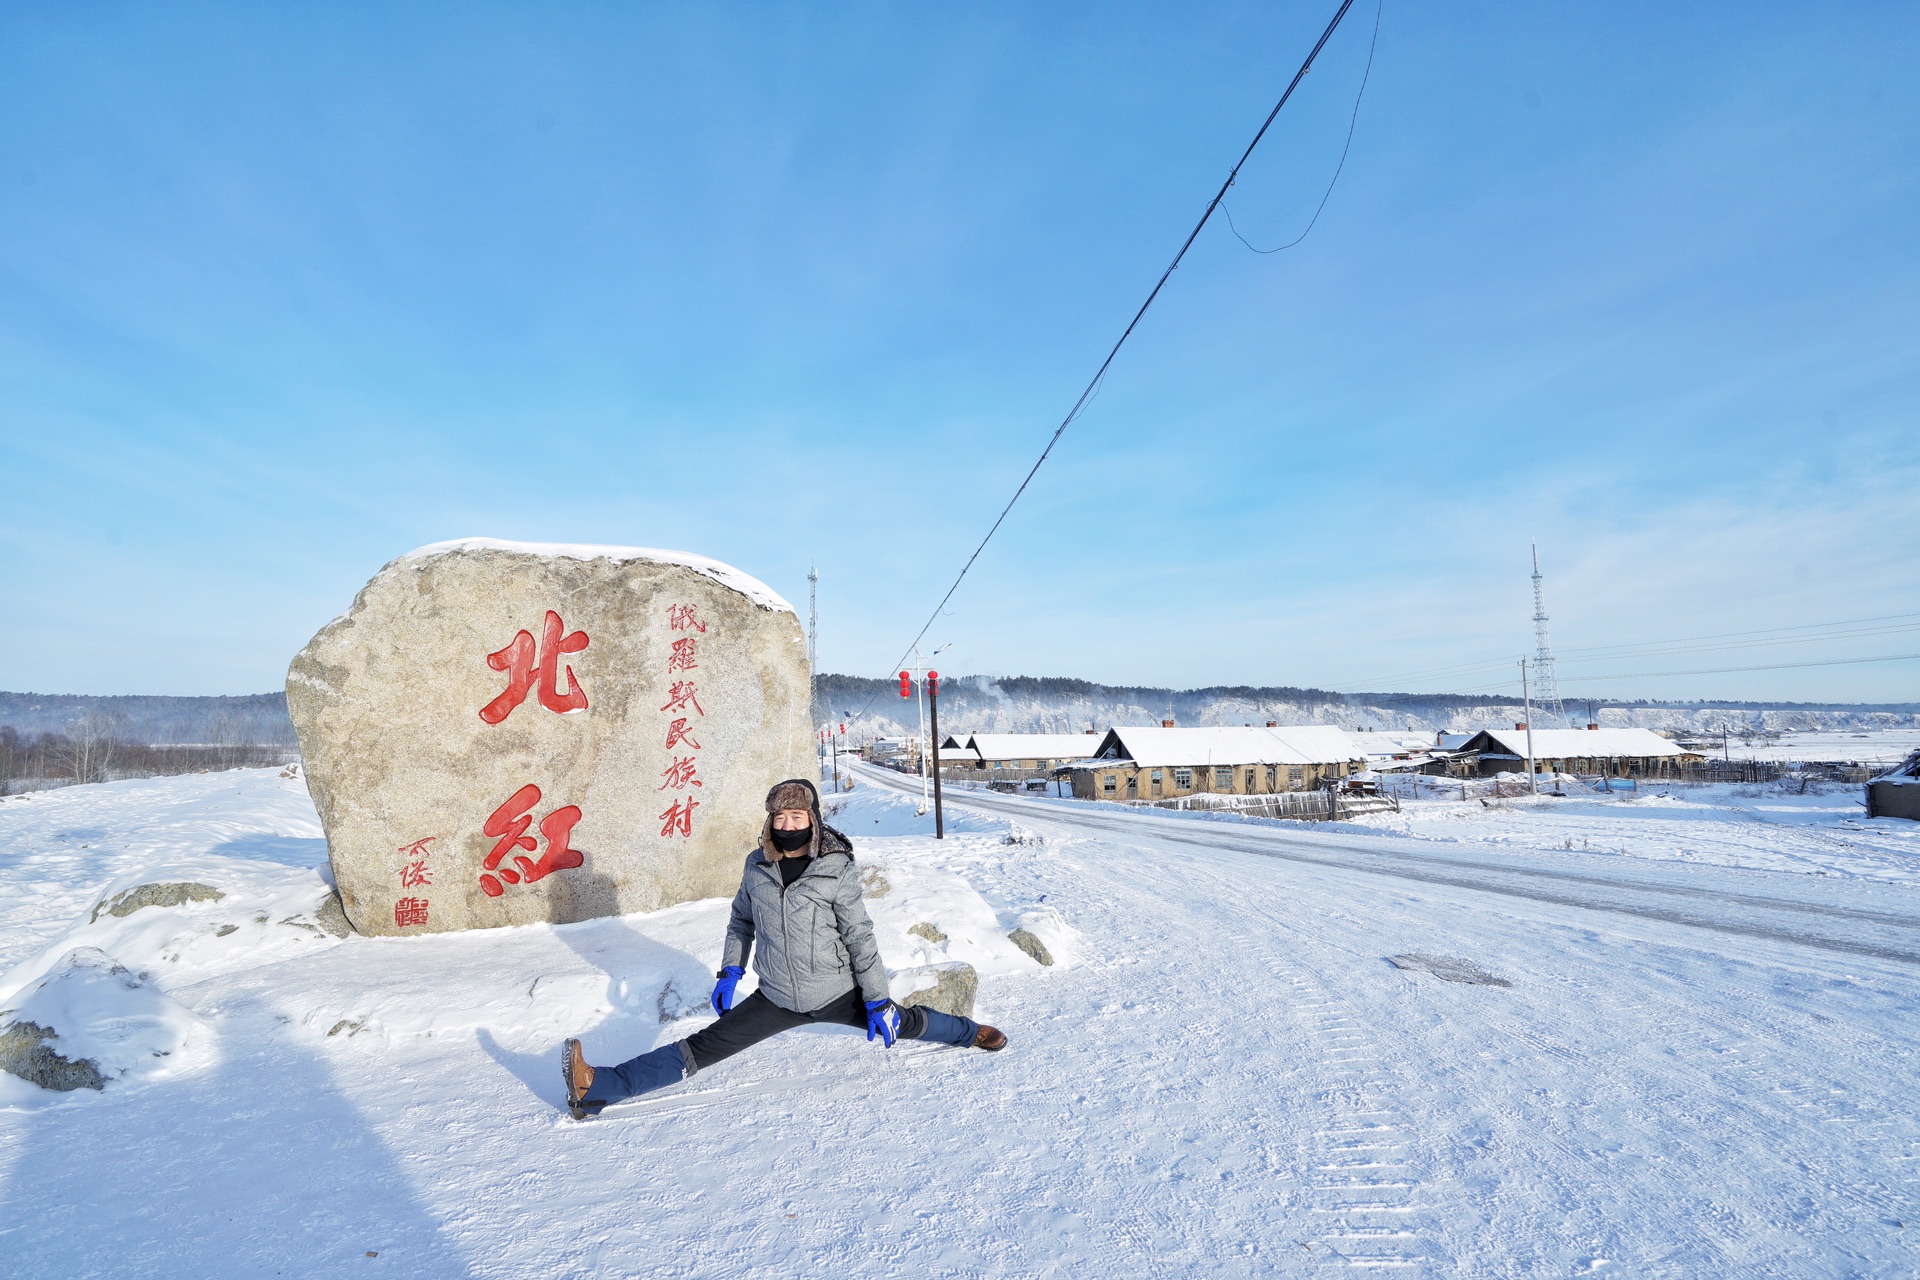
<point>505,733</point>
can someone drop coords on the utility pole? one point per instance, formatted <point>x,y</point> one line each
<point>836,756</point>
<point>933,700</point>
<point>813,664</point>
<point>1533,779</point>
<point>919,672</point>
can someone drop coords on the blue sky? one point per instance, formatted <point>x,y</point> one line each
<point>286,291</point>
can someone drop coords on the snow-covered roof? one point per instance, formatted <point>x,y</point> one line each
<point>1453,741</point>
<point>1379,744</point>
<point>1564,744</point>
<point>724,574</point>
<point>1287,744</point>
<point>1411,763</point>
<point>1033,746</point>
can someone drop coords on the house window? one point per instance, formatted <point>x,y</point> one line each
<point>1250,783</point>
<point>1183,778</point>
<point>1273,777</point>
<point>1296,776</point>
<point>1106,783</point>
<point>1156,775</point>
<point>1222,779</point>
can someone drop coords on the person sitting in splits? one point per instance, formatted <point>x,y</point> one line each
<point>800,916</point>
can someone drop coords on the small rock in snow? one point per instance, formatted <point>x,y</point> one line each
<point>26,1050</point>
<point>928,930</point>
<point>952,989</point>
<point>333,917</point>
<point>1448,969</point>
<point>1031,945</point>
<point>131,900</point>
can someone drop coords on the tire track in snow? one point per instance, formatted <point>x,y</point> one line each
<point>1368,1206</point>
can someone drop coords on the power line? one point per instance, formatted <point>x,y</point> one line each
<point>1352,120</point>
<point>1734,635</point>
<point>1685,644</point>
<point>1778,666</point>
<point>1093,385</point>
<point>1651,675</point>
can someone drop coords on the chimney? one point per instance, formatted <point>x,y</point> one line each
<point>1166,724</point>
<point>1273,724</point>
<point>1593,726</point>
<point>1092,731</point>
<point>1519,726</point>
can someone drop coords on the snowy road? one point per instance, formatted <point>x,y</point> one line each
<point>1775,907</point>
<point>1695,1071</point>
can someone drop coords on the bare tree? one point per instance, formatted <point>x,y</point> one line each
<point>13,757</point>
<point>89,747</point>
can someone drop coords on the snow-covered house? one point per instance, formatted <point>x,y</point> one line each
<point>1378,745</point>
<point>883,750</point>
<point>1617,753</point>
<point>1156,763</point>
<point>1028,752</point>
<point>1896,793</point>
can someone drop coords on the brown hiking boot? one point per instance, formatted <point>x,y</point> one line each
<point>579,1078</point>
<point>992,1039</point>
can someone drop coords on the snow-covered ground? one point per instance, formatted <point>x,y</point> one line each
<point>1821,829</point>
<point>1868,746</point>
<point>1683,1046</point>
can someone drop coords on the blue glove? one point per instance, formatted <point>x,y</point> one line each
<point>723,989</point>
<point>883,1020</point>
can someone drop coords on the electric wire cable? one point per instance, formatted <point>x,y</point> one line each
<point>1352,120</point>
<point>1093,384</point>
<point>1854,627</point>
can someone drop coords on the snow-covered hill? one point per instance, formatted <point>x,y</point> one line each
<point>981,704</point>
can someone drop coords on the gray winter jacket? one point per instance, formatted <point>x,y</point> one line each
<point>815,937</point>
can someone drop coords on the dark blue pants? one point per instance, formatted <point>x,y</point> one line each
<point>748,1023</point>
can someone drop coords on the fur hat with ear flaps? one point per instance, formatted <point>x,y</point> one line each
<point>798,793</point>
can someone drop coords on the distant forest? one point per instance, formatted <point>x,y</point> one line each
<point>257,719</point>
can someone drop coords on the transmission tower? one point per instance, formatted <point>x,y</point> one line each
<point>1548,703</point>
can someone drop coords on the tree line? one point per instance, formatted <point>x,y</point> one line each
<point>97,747</point>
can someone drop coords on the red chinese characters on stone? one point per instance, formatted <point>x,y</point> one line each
<point>678,699</point>
<point>528,664</point>
<point>408,912</point>
<point>509,825</point>
<point>415,875</point>
<point>678,820</point>
<point>418,848</point>
<point>683,770</point>
<point>680,775</point>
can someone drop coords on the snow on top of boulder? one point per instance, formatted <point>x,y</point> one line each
<point>99,1011</point>
<point>725,574</point>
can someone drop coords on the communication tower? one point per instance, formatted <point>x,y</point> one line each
<point>1548,703</point>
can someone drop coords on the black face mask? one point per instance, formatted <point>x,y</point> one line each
<point>792,841</point>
